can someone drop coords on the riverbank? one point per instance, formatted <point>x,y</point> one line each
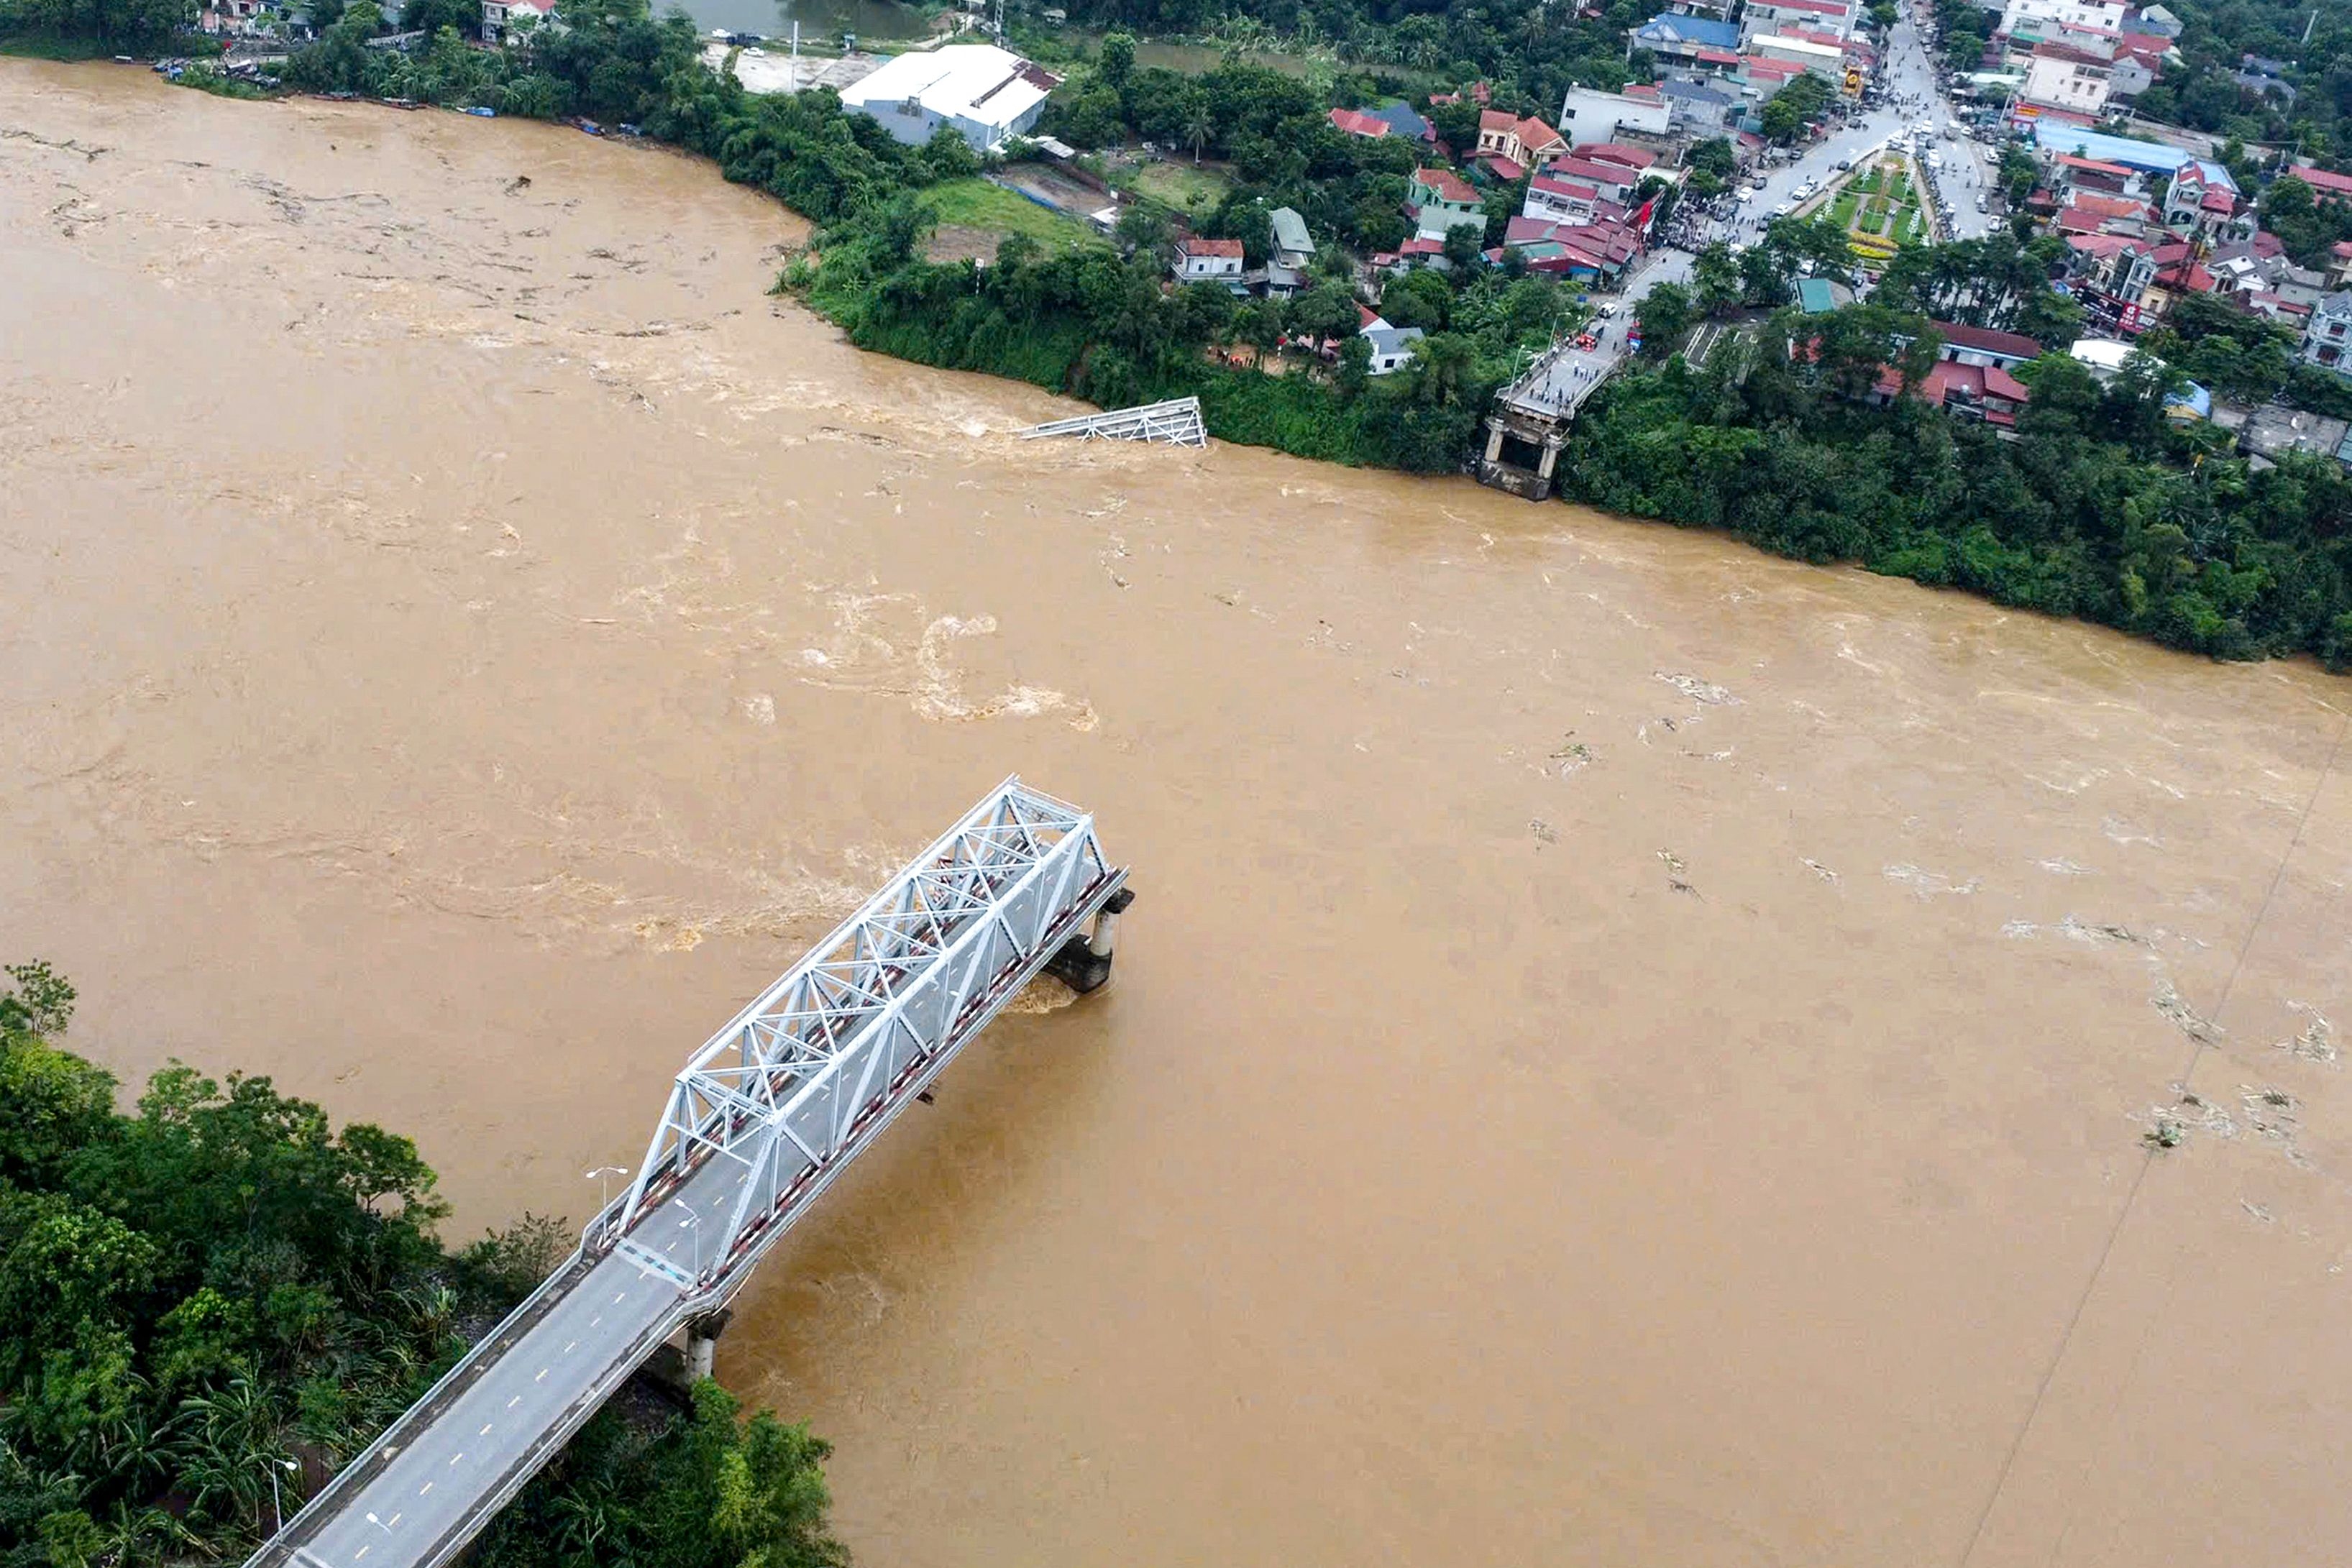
<point>2055,516</point>
<point>217,1301</point>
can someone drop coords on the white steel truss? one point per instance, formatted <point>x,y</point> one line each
<point>804,1077</point>
<point>1176,423</point>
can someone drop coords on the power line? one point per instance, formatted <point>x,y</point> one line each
<point>2197,1054</point>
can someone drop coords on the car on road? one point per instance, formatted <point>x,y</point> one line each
<point>1843,164</point>
<point>1784,209</point>
<point>1980,205</point>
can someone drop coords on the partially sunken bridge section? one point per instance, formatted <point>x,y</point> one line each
<point>1176,423</point>
<point>761,1121</point>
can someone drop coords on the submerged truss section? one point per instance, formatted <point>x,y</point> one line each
<point>807,1074</point>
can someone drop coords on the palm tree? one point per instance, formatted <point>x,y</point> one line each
<point>1200,125</point>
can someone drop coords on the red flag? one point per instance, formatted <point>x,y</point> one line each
<point>1641,218</point>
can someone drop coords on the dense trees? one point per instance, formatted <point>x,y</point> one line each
<point>2090,513</point>
<point>1090,321</point>
<point>115,24</point>
<point>1530,53</point>
<point>1788,111</point>
<point>221,1288</point>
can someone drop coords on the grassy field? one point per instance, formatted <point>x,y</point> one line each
<point>1181,185</point>
<point>975,204</point>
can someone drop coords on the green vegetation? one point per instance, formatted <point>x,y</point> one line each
<point>2244,357</point>
<point>977,203</point>
<point>83,29</point>
<point>2098,510</point>
<point>49,45</point>
<point>218,1290</point>
<point>1179,185</point>
<point>1531,53</point>
<point>2105,509</point>
<point>1788,111</point>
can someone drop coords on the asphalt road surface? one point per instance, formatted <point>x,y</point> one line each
<point>418,1494</point>
<point>1561,378</point>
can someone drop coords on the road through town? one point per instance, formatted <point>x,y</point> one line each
<point>1558,381</point>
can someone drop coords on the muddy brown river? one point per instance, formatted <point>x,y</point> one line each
<point>1628,1052</point>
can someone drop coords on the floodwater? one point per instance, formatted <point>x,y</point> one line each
<point>1627,1052</point>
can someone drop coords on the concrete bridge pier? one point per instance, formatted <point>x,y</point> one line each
<point>1084,962</point>
<point>702,1344</point>
<point>1543,434</point>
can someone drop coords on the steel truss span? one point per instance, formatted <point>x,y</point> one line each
<point>763,1119</point>
<point>801,1080</point>
<point>1176,423</point>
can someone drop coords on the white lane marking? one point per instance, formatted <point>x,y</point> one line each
<point>619,1298</point>
<point>426,1488</point>
<point>485,1431</point>
<point>360,1553</point>
<point>393,1521</point>
<point>542,1373</point>
<point>594,1321</point>
<point>455,1457</point>
<point>515,1401</point>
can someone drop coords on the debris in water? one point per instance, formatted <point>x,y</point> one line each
<point>1927,884</point>
<point>1544,831</point>
<point>1671,861</point>
<point>2166,1133</point>
<point>2169,1002</point>
<point>1818,870</point>
<point>1698,691</point>
<point>1572,755</point>
<point>2314,1041</point>
<point>520,183</point>
<point>2064,867</point>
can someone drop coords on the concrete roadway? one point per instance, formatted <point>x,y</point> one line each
<point>1563,375</point>
<point>421,1493</point>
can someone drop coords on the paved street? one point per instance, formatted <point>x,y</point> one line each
<point>1561,378</point>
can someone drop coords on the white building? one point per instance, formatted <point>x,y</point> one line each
<point>2037,18</point>
<point>985,94</point>
<point>1588,114</point>
<point>1391,345</point>
<point>500,17</point>
<point>2068,77</point>
<point>1823,60</point>
<point>1208,261</point>
<point>1762,16</point>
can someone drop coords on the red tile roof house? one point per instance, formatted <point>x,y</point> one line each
<point>1983,346</point>
<point>2325,187</point>
<point>1633,157</point>
<point>1209,260</point>
<point>1614,181</point>
<point>1355,122</point>
<point>1440,199</point>
<point>1966,392</point>
<point>1522,142</point>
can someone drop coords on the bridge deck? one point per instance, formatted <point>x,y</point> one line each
<point>762,1120</point>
